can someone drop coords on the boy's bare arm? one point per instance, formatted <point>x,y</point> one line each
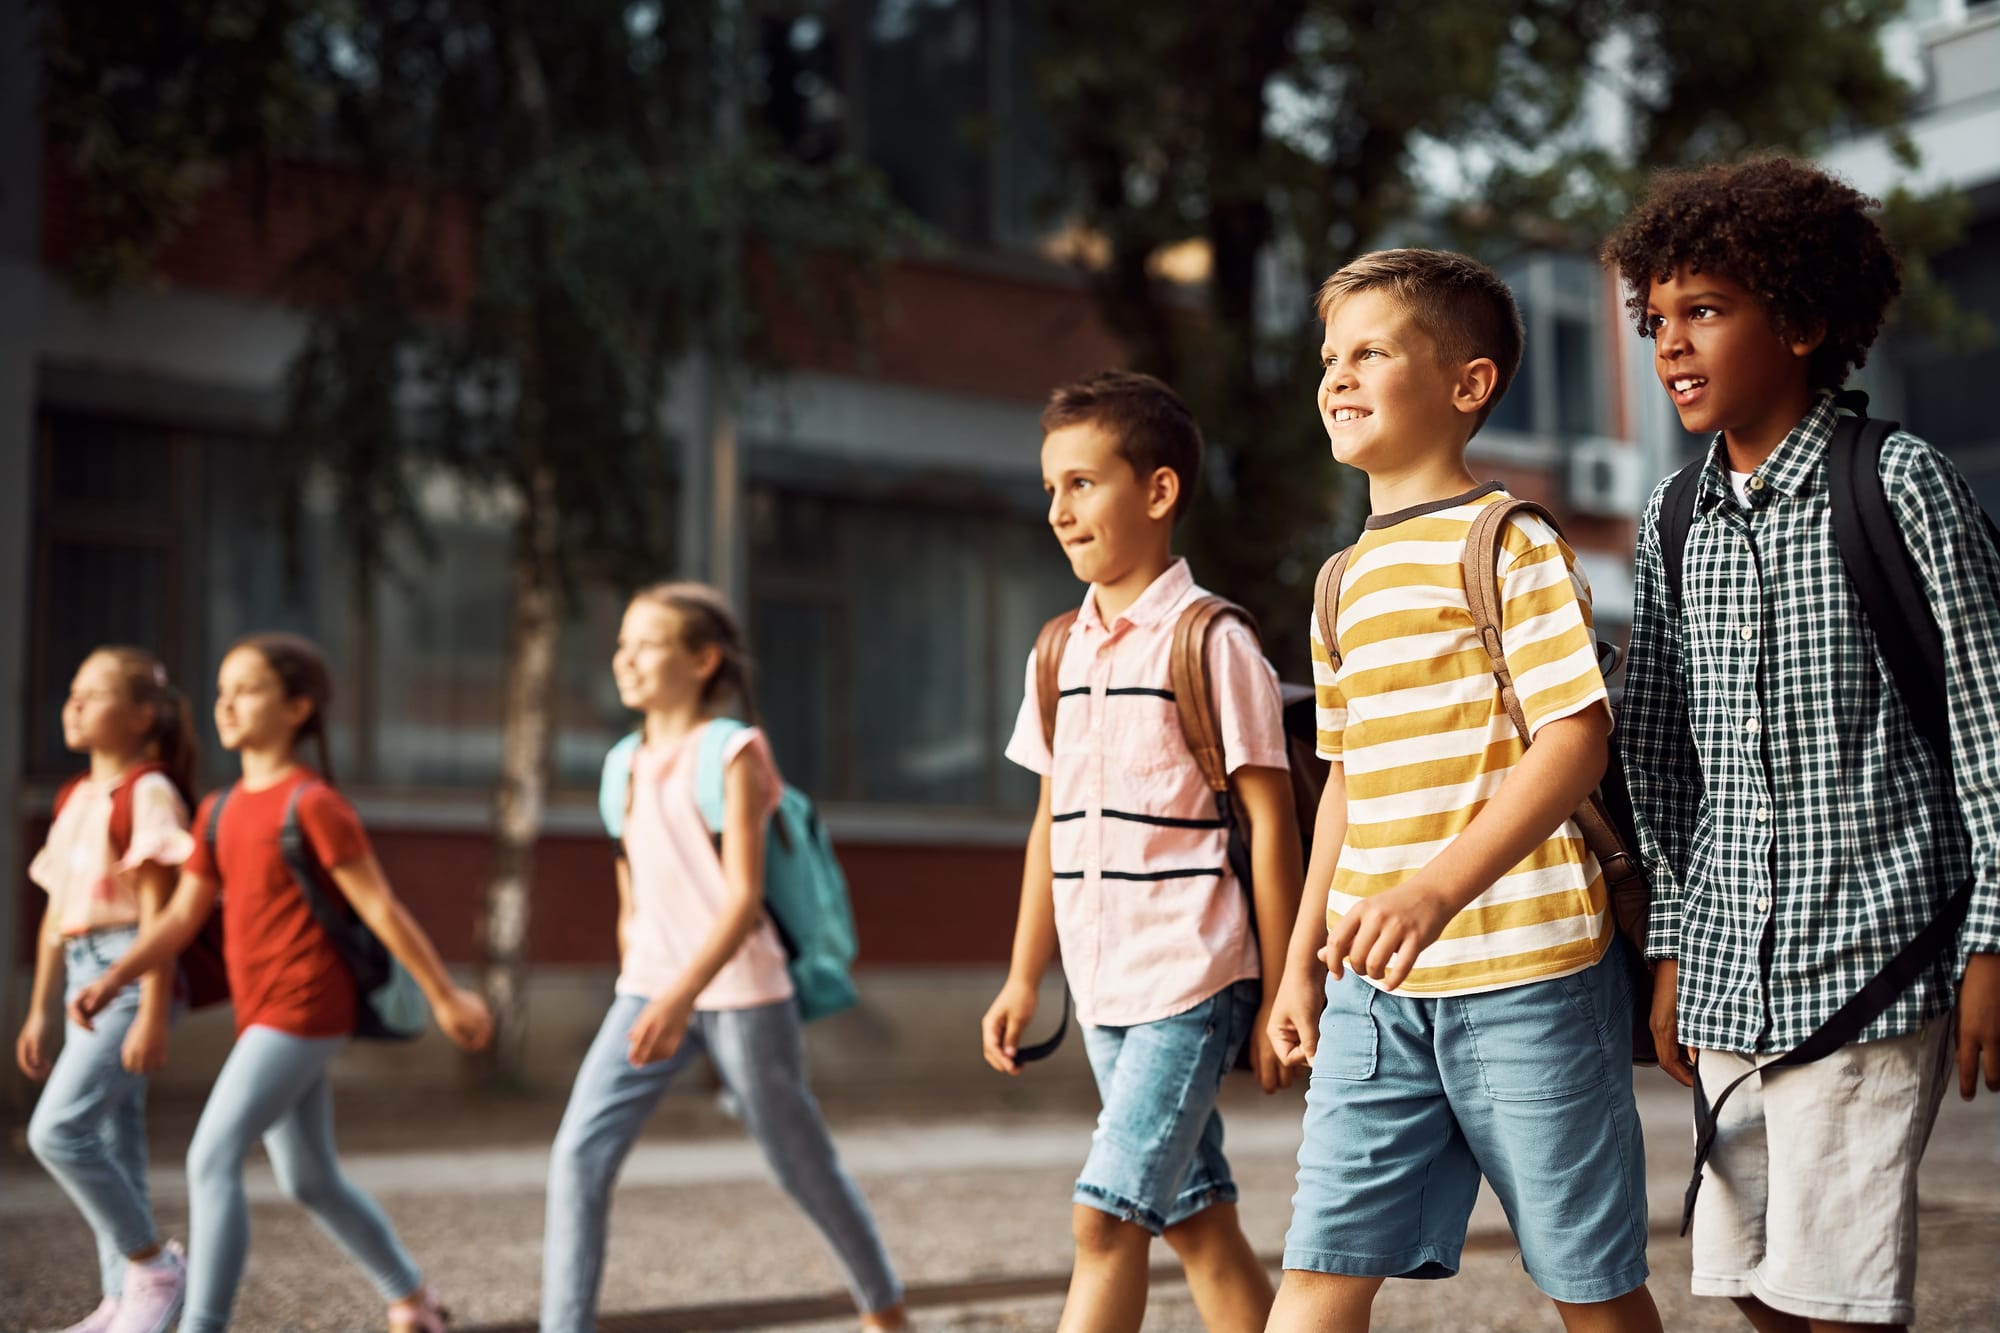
<point>1265,797</point>
<point>1294,1021</point>
<point>1559,770</point>
<point>1034,947</point>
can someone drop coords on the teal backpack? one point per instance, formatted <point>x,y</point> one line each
<point>805,892</point>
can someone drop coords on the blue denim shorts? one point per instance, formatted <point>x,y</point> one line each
<point>1156,1155</point>
<point>1413,1100</point>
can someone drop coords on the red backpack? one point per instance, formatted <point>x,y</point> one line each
<point>203,979</point>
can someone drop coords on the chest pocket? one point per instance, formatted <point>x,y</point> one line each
<point>1142,731</point>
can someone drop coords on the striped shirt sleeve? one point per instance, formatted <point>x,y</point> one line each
<point>1329,709</point>
<point>1545,625</point>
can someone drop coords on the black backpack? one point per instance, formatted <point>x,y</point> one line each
<point>1905,630</point>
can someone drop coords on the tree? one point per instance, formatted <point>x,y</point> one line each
<point>1286,136</point>
<point>602,163</point>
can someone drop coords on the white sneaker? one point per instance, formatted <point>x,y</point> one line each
<point>153,1293</point>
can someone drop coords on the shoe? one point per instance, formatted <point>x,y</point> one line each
<point>426,1315</point>
<point>153,1294</point>
<point>98,1320</point>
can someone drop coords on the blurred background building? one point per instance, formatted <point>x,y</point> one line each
<point>896,560</point>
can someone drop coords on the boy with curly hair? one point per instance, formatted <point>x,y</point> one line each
<point>1798,830</point>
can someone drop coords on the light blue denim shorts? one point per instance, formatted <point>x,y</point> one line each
<point>1156,1155</point>
<point>1413,1100</point>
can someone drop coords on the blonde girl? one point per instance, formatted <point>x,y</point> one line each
<point>295,997</point>
<point>701,968</point>
<point>120,829</point>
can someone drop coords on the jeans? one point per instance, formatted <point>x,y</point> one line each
<point>761,1058</point>
<point>89,1128</point>
<point>274,1086</point>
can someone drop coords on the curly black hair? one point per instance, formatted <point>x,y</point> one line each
<point>1802,241</point>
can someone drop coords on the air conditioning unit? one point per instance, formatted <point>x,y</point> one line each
<point>1604,477</point>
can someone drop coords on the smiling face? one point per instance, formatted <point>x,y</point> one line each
<point>1385,399</point>
<point>251,710</point>
<point>1723,364</point>
<point>1109,519</point>
<point>99,713</point>
<point>653,666</point>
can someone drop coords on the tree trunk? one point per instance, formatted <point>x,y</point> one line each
<point>529,730</point>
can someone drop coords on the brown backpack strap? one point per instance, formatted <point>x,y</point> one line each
<point>1194,692</point>
<point>1483,545</point>
<point>1326,602</point>
<point>1481,560</point>
<point>1049,645</point>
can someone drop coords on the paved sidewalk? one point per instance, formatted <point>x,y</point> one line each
<point>973,1202</point>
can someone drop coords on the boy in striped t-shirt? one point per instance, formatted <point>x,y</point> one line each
<point>1477,1021</point>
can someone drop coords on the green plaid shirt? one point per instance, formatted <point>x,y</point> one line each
<point>1795,826</point>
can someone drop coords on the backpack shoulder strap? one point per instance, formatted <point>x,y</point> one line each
<point>1194,692</point>
<point>1480,557</point>
<point>1049,645</point>
<point>121,806</point>
<point>1675,519</point>
<point>1326,602</point>
<point>67,790</point>
<point>209,829</point>
<point>709,793</point>
<point>614,786</point>
<point>1885,575</point>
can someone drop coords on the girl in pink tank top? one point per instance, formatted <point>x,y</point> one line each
<point>700,968</point>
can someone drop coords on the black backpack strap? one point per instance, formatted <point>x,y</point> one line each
<point>209,829</point>
<point>1886,577</point>
<point>1042,1050</point>
<point>353,941</point>
<point>1675,519</point>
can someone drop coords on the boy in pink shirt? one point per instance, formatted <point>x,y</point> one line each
<point>1127,865</point>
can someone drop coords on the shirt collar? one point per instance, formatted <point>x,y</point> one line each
<point>1162,597</point>
<point>1793,468</point>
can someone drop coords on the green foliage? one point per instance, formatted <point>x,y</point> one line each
<point>1290,135</point>
<point>576,146</point>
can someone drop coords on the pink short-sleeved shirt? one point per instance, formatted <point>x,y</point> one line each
<point>678,888</point>
<point>91,886</point>
<point>1150,918</point>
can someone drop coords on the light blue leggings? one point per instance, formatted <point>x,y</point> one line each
<point>274,1086</point>
<point>89,1126</point>
<point>761,1058</point>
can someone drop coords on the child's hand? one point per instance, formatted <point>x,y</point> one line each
<point>34,1049</point>
<point>1675,1060</point>
<point>465,1019</point>
<point>1292,1023</point>
<point>1000,1030</point>
<point>1979,1024</point>
<point>90,1002</point>
<point>661,1027</point>
<point>1271,1070</point>
<point>145,1046</point>
<point>1383,935</point>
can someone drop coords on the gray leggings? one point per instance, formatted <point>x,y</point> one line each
<point>762,1060</point>
<point>274,1086</point>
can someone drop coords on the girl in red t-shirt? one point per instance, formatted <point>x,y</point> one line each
<point>295,996</point>
<point>108,866</point>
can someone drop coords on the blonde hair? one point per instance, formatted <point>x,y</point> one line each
<point>1457,302</point>
<point>706,620</point>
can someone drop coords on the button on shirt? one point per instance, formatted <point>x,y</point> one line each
<point>1150,918</point>
<point>1796,828</point>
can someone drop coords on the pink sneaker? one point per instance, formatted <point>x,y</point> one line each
<point>153,1294</point>
<point>98,1320</point>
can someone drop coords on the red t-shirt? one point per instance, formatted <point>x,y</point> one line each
<point>283,970</point>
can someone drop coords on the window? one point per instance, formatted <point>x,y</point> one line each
<point>1559,392</point>
<point>891,640</point>
<point>175,540</point>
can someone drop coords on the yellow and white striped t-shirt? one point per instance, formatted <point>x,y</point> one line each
<point>1414,718</point>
